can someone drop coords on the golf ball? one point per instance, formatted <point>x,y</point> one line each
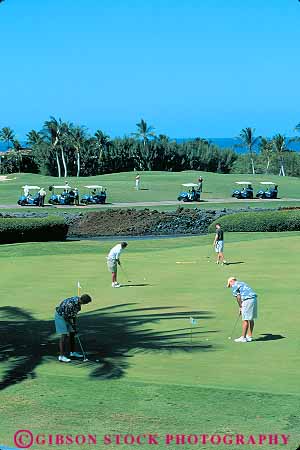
<point>229,337</point>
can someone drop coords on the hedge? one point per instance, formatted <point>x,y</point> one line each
<point>259,221</point>
<point>32,229</point>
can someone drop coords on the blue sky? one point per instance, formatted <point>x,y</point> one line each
<point>190,68</point>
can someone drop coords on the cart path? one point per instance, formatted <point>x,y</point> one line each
<point>160,203</point>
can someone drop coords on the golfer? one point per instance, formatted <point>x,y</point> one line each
<point>113,260</point>
<point>247,301</point>
<point>65,324</point>
<point>219,244</point>
<point>138,182</point>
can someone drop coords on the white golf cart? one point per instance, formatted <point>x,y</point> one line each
<point>244,190</point>
<point>190,194</point>
<point>29,196</point>
<point>97,195</point>
<point>268,190</point>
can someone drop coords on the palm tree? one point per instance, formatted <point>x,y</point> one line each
<point>54,130</point>
<point>279,145</point>
<point>18,151</point>
<point>266,148</point>
<point>76,137</point>
<point>33,137</point>
<point>249,141</point>
<point>7,135</point>
<point>297,138</point>
<point>103,141</point>
<point>144,132</point>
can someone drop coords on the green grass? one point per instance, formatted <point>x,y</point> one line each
<point>161,382</point>
<point>157,186</point>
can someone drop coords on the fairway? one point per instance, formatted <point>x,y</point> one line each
<point>153,376</point>
<point>155,186</point>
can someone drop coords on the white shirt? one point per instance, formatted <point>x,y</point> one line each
<point>115,252</point>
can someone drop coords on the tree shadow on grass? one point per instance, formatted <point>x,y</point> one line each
<point>111,335</point>
<point>269,337</point>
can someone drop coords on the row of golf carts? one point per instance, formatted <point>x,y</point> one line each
<point>269,190</point>
<point>63,195</point>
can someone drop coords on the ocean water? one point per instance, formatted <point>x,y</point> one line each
<point>234,143</point>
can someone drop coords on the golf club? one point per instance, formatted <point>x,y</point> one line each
<point>82,350</point>
<point>125,273</point>
<point>237,319</point>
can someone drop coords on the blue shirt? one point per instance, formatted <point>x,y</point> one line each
<point>242,289</point>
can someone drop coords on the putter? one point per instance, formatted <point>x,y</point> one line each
<point>237,319</point>
<point>83,352</point>
<point>125,273</point>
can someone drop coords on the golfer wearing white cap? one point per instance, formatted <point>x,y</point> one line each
<point>247,301</point>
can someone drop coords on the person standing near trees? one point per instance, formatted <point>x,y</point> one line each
<point>200,182</point>
<point>138,182</point>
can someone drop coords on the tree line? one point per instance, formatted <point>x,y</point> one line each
<point>64,149</point>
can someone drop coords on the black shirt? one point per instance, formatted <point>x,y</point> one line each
<point>220,234</point>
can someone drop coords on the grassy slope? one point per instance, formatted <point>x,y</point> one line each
<point>159,389</point>
<point>158,185</point>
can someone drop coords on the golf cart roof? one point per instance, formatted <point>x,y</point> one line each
<point>66,186</point>
<point>31,187</point>
<point>190,185</point>
<point>267,182</point>
<point>243,182</point>
<point>94,186</point>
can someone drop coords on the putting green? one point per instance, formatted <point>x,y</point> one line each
<point>153,376</point>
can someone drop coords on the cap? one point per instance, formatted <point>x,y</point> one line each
<point>229,280</point>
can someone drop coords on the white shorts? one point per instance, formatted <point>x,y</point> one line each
<point>219,246</point>
<point>249,309</point>
<point>112,265</point>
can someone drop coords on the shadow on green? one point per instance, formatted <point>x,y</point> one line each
<point>110,337</point>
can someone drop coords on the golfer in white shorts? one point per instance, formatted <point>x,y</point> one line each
<point>219,244</point>
<point>247,301</point>
<point>113,260</point>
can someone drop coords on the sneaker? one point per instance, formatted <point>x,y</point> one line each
<point>76,355</point>
<point>224,263</point>
<point>63,359</point>
<point>217,262</point>
<point>115,285</point>
<point>241,339</point>
<point>249,338</point>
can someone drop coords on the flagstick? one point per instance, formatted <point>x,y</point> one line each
<point>78,288</point>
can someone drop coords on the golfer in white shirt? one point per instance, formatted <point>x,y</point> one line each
<point>113,260</point>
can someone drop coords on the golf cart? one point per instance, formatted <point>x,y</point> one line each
<point>271,192</point>
<point>96,196</point>
<point>244,191</point>
<point>27,199</point>
<point>192,195</point>
<point>66,197</point>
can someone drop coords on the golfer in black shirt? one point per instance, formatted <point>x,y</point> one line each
<point>219,244</point>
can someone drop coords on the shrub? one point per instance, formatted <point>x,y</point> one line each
<point>32,229</point>
<point>259,221</point>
